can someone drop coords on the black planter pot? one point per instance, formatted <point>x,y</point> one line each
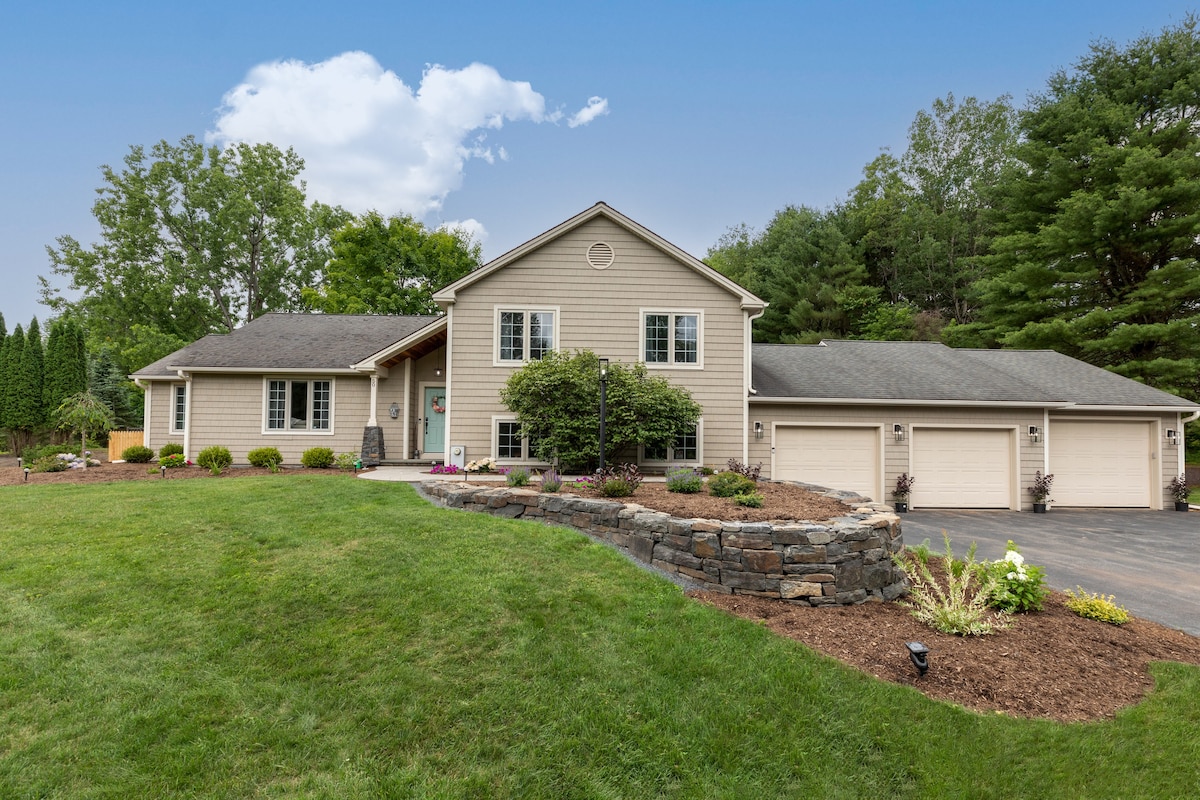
<point>1039,508</point>
<point>901,507</point>
<point>1181,505</point>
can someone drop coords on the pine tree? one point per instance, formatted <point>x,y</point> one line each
<point>4,337</point>
<point>10,356</point>
<point>109,383</point>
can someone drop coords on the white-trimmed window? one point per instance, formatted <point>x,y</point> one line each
<point>684,450</point>
<point>299,406</point>
<point>525,334</point>
<point>178,407</point>
<point>672,338</point>
<point>509,443</point>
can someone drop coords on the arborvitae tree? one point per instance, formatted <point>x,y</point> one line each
<point>66,363</point>
<point>3,377</point>
<point>10,355</point>
<point>28,412</point>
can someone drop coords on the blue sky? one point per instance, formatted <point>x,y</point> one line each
<point>696,116</point>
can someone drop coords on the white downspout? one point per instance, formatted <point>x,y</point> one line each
<point>1182,447</point>
<point>747,378</point>
<point>147,416</point>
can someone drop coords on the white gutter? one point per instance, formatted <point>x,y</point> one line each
<point>748,378</point>
<point>858,401</point>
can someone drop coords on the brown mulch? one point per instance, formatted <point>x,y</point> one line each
<point>1051,664</point>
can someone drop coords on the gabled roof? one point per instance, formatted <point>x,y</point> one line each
<point>749,301</point>
<point>931,372</point>
<point>290,342</point>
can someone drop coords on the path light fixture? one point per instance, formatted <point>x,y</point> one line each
<point>603,407</point>
<point>27,474</point>
<point>163,470</point>
<point>898,432</point>
<point>20,462</point>
<point>918,654</point>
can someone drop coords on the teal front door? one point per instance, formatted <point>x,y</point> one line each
<point>434,421</point>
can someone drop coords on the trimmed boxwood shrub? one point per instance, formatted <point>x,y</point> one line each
<point>317,458</point>
<point>728,484</point>
<point>171,449</point>
<point>138,454</point>
<point>215,458</point>
<point>265,457</point>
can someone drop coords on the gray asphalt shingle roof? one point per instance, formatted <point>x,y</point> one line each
<point>916,371</point>
<point>292,341</point>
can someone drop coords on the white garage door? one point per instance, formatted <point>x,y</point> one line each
<point>1099,463</point>
<point>837,457</point>
<point>962,468</point>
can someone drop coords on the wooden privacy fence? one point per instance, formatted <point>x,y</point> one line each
<point>119,440</point>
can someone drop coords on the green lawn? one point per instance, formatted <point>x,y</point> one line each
<point>331,637</point>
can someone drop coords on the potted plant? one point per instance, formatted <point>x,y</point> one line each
<point>1179,490</point>
<point>904,484</point>
<point>1041,491</point>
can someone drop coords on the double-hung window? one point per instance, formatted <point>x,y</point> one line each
<point>300,406</point>
<point>685,449</point>
<point>671,338</point>
<point>524,334</point>
<point>178,407</point>
<point>511,443</point>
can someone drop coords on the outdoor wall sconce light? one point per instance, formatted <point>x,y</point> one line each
<point>1172,436</point>
<point>393,411</point>
<point>1035,434</point>
<point>898,432</point>
<point>758,429</point>
<point>918,654</point>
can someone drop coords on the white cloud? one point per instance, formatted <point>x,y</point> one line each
<point>473,228</point>
<point>371,142</point>
<point>596,107</point>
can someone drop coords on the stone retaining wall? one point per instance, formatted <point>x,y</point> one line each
<point>844,561</point>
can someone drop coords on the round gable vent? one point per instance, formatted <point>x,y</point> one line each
<point>600,255</point>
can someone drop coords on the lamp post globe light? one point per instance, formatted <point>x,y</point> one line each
<point>603,407</point>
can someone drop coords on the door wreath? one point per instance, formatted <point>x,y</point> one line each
<point>438,409</point>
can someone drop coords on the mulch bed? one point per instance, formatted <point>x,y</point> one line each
<point>1050,664</point>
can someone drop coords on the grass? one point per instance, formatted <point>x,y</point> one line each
<point>220,639</point>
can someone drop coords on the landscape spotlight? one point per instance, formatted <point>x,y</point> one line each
<point>919,655</point>
<point>27,474</point>
<point>163,470</point>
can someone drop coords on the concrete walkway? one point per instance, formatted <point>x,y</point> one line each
<point>1149,559</point>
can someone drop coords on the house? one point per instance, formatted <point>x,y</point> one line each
<point>972,426</point>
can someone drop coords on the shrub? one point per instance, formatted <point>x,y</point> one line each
<point>706,470</point>
<point>345,461</point>
<point>1179,488</point>
<point>1040,488</point>
<point>265,457</point>
<point>749,500</point>
<point>317,458</point>
<point>173,461</point>
<point>684,481</point>
<point>728,484</point>
<point>745,470</point>
<point>170,449</point>
<point>551,480</point>
<point>619,481</point>
<point>48,464</point>
<point>616,487</point>
<point>1096,606</point>
<point>904,486</point>
<point>31,454</point>
<point>481,465</point>
<point>1013,586</point>
<point>960,607</point>
<point>214,458</point>
<point>517,476</point>
<point>138,454</point>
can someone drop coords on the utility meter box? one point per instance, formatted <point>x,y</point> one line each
<point>458,456</point>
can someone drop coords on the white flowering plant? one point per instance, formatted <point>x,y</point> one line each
<point>1013,585</point>
<point>481,465</point>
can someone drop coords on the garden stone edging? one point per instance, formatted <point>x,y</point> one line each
<point>843,561</point>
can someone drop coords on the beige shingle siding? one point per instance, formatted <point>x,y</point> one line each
<point>599,310</point>
<point>228,410</point>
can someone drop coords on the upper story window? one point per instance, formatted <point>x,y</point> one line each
<point>178,407</point>
<point>300,406</point>
<point>524,334</point>
<point>672,338</point>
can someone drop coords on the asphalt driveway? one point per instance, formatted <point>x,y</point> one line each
<point>1149,559</point>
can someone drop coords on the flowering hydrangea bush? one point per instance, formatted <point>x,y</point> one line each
<point>482,465</point>
<point>1013,585</point>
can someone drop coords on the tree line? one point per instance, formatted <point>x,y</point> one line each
<point>1072,224</point>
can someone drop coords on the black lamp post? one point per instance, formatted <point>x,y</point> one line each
<point>603,405</point>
